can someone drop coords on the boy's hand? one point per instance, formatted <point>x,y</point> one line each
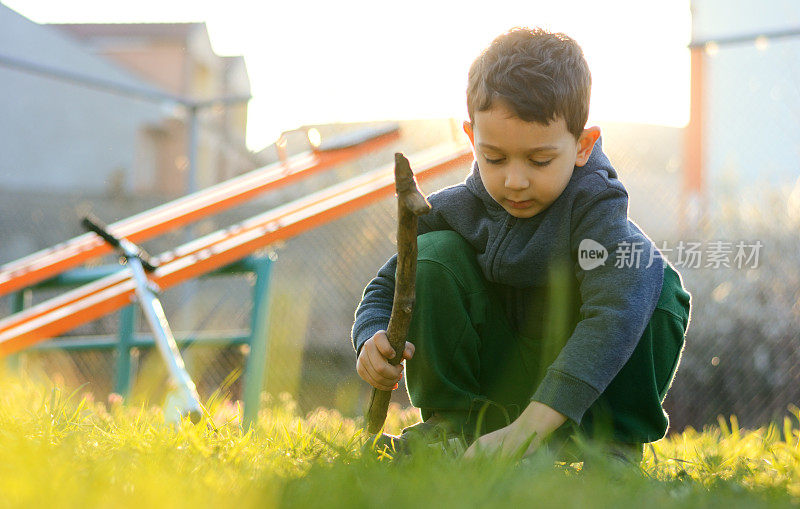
<point>526,432</point>
<point>373,362</point>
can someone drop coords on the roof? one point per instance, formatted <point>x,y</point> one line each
<point>54,52</point>
<point>174,31</point>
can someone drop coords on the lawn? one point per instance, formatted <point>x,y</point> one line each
<point>59,448</point>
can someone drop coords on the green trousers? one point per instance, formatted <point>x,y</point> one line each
<point>470,362</point>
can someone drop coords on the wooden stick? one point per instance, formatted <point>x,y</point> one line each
<point>410,204</point>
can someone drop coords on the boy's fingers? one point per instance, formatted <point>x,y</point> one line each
<point>383,376</point>
<point>366,368</point>
<point>409,351</point>
<point>387,370</point>
<point>382,342</point>
<point>376,377</point>
<point>365,371</point>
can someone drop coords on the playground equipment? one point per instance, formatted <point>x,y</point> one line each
<point>27,327</point>
<point>47,263</point>
<point>182,399</point>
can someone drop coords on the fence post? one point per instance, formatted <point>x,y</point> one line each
<point>127,326</point>
<point>255,365</point>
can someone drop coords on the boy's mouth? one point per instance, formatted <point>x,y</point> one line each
<point>520,204</point>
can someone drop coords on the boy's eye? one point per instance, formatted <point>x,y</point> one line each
<point>501,159</point>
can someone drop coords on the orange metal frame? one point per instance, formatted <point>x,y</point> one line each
<point>217,249</point>
<point>693,176</point>
<point>53,261</point>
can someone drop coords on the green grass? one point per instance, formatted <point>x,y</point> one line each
<point>64,450</point>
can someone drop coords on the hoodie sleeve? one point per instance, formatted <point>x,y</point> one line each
<point>617,299</point>
<point>375,307</point>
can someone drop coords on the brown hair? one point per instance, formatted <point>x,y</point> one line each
<point>538,74</point>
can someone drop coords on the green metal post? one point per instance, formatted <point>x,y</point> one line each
<point>127,325</point>
<point>18,301</point>
<point>255,365</point>
<point>17,305</point>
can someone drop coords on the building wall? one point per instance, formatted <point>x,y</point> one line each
<point>60,136</point>
<point>161,64</point>
<point>179,58</point>
<point>753,112</point>
<point>720,18</point>
<point>750,102</point>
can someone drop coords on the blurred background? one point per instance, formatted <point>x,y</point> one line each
<point>116,112</point>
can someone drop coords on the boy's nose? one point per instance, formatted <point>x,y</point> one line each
<point>516,180</point>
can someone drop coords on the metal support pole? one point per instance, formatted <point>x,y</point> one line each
<point>17,305</point>
<point>194,134</point>
<point>127,325</point>
<point>18,300</point>
<point>189,288</point>
<point>255,365</point>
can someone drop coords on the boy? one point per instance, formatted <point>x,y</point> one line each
<point>539,305</point>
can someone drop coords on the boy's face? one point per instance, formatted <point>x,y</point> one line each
<point>525,165</point>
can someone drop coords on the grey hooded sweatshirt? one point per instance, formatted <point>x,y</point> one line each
<point>531,260</point>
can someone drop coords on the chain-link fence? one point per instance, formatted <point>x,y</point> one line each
<point>742,348</point>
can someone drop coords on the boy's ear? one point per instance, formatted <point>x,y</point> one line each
<point>468,130</point>
<point>585,144</point>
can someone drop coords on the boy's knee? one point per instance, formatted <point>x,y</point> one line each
<point>447,251</point>
<point>448,274</point>
<point>674,297</point>
<point>446,247</point>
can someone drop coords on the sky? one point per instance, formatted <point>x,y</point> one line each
<point>350,60</point>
